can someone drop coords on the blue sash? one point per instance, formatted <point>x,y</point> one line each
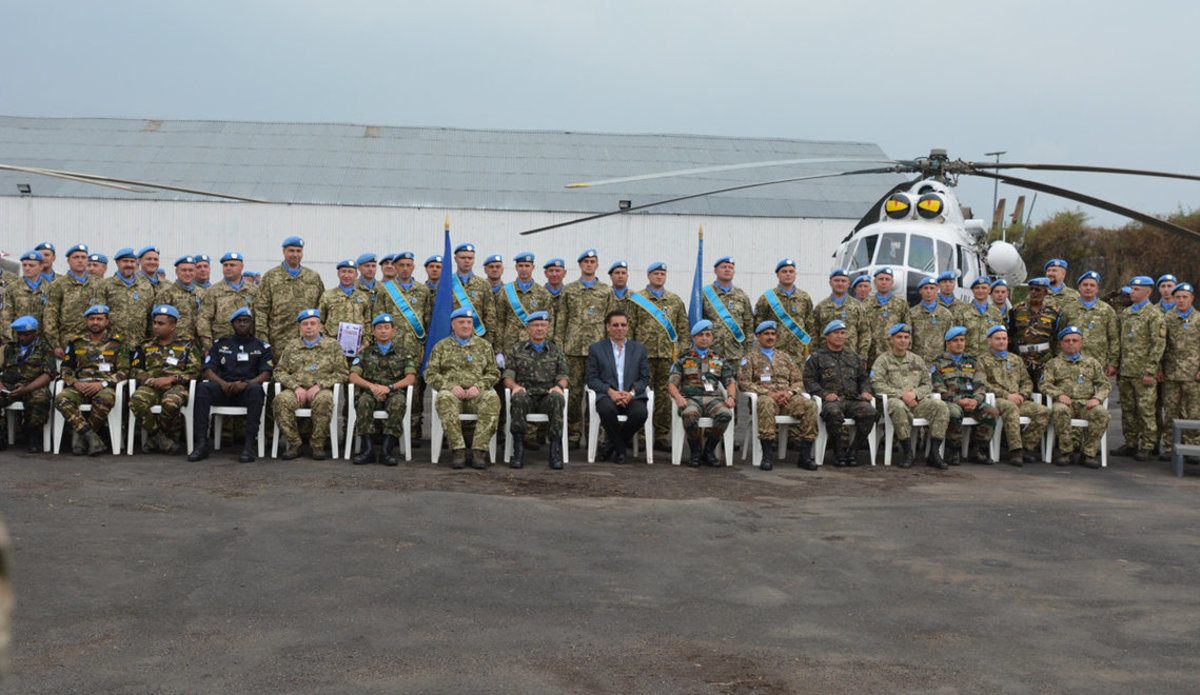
<point>656,313</point>
<point>460,293</point>
<point>405,308</point>
<point>786,319</point>
<point>726,317</point>
<point>511,290</point>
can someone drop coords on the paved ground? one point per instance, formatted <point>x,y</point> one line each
<point>147,574</point>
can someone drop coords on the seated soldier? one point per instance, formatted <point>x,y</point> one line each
<point>1076,386</point>
<point>702,384</point>
<point>536,372</point>
<point>234,370</point>
<point>957,377</point>
<point>840,378</point>
<point>903,377</point>
<point>779,383</point>
<point>93,367</point>
<point>1004,374</point>
<point>163,366</point>
<point>384,371</point>
<point>28,367</point>
<point>307,371</point>
<point>462,369</point>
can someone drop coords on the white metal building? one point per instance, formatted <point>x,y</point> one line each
<point>353,188</point>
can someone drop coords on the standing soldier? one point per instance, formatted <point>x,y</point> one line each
<point>433,272</point>
<point>148,260</point>
<point>95,363</point>
<point>1004,374</point>
<point>930,320</point>
<point>184,295</point>
<point>1034,324</point>
<point>203,270</point>
<point>473,293</point>
<point>555,270</point>
<point>163,366</point>
<point>860,288</point>
<point>535,370</point>
<point>26,370</point>
<point>1180,369</point>
<point>69,296</point>
<point>883,311</point>
<point>703,384</point>
<point>773,375</point>
<point>515,302</point>
<point>839,376</point>
<point>580,322</point>
<point>129,298</point>
<point>285,292</point>
<point>346,304</point>
<point>903,377</point>
<point>1076,386</point>
<point>387,268</point>
<point>365,283</point>
<point>1096,321</point>
<point>462,369</point>
<point>790,308</point>
<point>660,323</point>
<point>307,372</point>
<point>383,370</point>
<point>957,377</point>
<point>1166,291</point>
<point>947,281</point>
<point>1143,340</point>
<point>493,272</point>
<point>730,311</point>
<point>223,300</point>
<point>28,295</point>
<point>618,274</point>
<point>978,316</point>
<point>97,265</point>
<point>835,307</point>
<point>1057,292</point>
<point>48,256</point>
<point>999,295</point>
<point>412,303</point>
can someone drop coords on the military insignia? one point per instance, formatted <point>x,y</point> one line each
<point>356,360</point>
<point>312,367</point>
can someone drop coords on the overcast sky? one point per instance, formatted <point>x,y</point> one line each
<point>1101,83</point>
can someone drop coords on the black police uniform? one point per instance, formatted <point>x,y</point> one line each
<point>234,359</point>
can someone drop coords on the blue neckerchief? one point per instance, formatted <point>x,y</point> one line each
<point>786,293</point>
<point>537,347</point>
<point>369,285</point>
<point>1134,308</point>
<point>945,301</point>
<point>461,341</point>
<point>186,287</point>
<point>1167,307</point>
<point>524,286</point>
<point>205,285</point>
<point>956,358</point>
<point>237,287</point>
<point>312,344</point>
<point>34,286</point>
<point>981,307</point>
<point>431,284</point>
<point>620,294</point>
<point>1001,355</point>
<point>836,301</point>
<point>657,293</point>
<point>882,299</point>
<point>553,293</point>
<point>1073,358</point>
<point>48,277</point>
<point>588,285</point>
<point>1059,289</point>
<point>1090,304</point>
<point>404,286</point>
<point>464,279</point>
<point>496,289</point>
<point>130,281</point>
<point>723,289</point>
<point>151,280</point>
<point>699,352</point>
<point>383,348</point>
<point>83,281</point>
<point>1183,315</point>
<point>930,306</point>
<point>26,349</point>
<point>769,352</point>
<point>348,290</point>
<point>294,273</point>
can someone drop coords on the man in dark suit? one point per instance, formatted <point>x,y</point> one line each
<point>619,372</point>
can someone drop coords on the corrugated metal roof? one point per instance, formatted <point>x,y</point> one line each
<point>343,164</point>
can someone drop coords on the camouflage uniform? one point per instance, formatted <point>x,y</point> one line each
<point>280,299</point>
<point>764,376</point>
<point>537,371</point>
<point>304,366</point>
<point>338,307</point>
<point>1143,341</point>
<point>371,291</point>
<point>622,303</point>
<point>220,301</point>
<point>1180,368</point>
<point>880,319</point>
<point>420,298</point>
<point>471,364</point>
<point>555,306</point>
<point>17,370</point>
<point>66,301</point>
<point>106,361</point>
<point>129,306</point>
<point>846,374</point>
<point>580,322</point>
<point>374,366</point>
<point>23,300</point>
<point>929,328</point>
<point>1099,326</point>
<point>798,305</point>
<point>1006,374</point>
<point>858,333</point>
<point>956,380</point>
<point>660,350</point>
<point>892,375</point>
<point>480,294</point>
<point>510,329</point>
<point>977,324</point>
<point>187,302</point>
<point>179,358</point>
<point>1061,297</point>
<point>1080,380</point>
<point>702,381</point>
<point>1032,335</point>
<point>738,304</point>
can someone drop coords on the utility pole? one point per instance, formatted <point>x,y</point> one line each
<point>995,182</point>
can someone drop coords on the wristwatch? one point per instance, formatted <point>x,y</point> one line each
<point>391,388</point>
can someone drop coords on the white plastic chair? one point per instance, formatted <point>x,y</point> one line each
<point>1043,451</point>
<point>677,436</point>
<point>217,413</point>
<point>114,417</point>
<point>377,414</point>
<point>751,446</point>
<point>823,435</point>
<point>1078,422</point>
<point>889,429</point>
<point>10,412</point>
<point>185,412</point>
<point>334,421</point>
<point>594,427</point>
<point>533,417</point>
<point>436,433</point>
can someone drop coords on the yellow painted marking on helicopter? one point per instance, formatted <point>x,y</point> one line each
<point>930,205</point>
<point>895,205</point>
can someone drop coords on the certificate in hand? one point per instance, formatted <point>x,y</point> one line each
<point>350,338</point>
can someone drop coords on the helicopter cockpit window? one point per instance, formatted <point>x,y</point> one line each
<point>945,257</point>
<point>920,253</point>
<point>864,252</point>
<point>891,249</point>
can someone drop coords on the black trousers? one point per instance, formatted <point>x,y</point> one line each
<point>209,394</point>
<point>620,434</point>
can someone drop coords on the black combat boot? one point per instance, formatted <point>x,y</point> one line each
<point>934,459</point>
<point>33,439</point>
<point>200,452</point>
<point>953,452</point>
<point>768,454</point>
<point>695,452</point>
<point>366,450</point>
<point>981,454</point>
<point>518,452</point>
<point>248,454</point>
<point>839,449</point>
<point>710,450</point>
<point>906,453</point>
<point>556,454</point>
<point>805,459</point>
<point>95,445</point>
<point>1016,457</point>
<point>79,442</point>
<point>389,445</point>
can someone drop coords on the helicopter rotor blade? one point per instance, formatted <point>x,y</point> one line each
<point>1090,169</point>
<point>1097,202</point>
<point>731,167</point>
<point>108,180</point>
<point>881,170</point>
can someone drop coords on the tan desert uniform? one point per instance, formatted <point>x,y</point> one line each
<point>763,376</point>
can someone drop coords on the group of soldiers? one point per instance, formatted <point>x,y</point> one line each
<point>533,339</point>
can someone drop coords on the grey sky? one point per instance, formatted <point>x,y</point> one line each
<point>1103,83</point>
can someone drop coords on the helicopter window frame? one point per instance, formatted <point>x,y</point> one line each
<point>890,239</point>
<point>945,257</point>
<point>926,244</point>
<point>867,246</point>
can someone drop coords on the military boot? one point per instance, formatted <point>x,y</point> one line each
<point>556,454</point>
<point>293,452</point>
<point>710,450</point>
<point>934,459</point>
<point>953,452</point>
<point>79,442</point>
<point>33,439</point>
<point>1016,457</point>
<point>518,453</point>
<point>458,460</point>
<point>980,454</point>
<point>862,440</point>
<point>170,446</point>
<point>805,459</point>
<point>200,452</point>
<point>479,459</point>
<point>390,443</point>
<point>906,453</point>
<point>149,443</point>
<point>839,448</point>
<point>695,452</point>
<point>768,454</point>
<point>318,451</point>
<point>95,445</point>
<point>366,450</point>
<point>248,450</point>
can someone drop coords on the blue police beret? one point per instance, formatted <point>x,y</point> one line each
<point>244,311</point>
<point>202,258</point>
<point>461,312</point>
<point>408,255</point>
<point>98,258</point>
<point>1055,263</point>
<point>981,280</point>
<point>764,326</point>
<point>885,270</point>
<point>185,259</point>
<point>494,258</point>
<point>996,329</point>
<point>32,256</point>
<point>900,327</point>
<point>348,263</point>
<point>293,241</point>
<point>999,282</point>
<point>382,318</point>
<point>955,332</point>
<point>1089,275</point>
<point>251,273</point>
<point>145,250</point>
<point>784,263</point>
<point>166,310</point>
<point>537,316</point>
<point>24,324</point>
<point>618,264</point>
<point>366,258</point>
<point>834,325</point>
<point>464,247</point>
<point>77,248</point>
<point>927,280</point>
<point>724,259</point>
<point>233,256</point>
<point>1069,330</point>
<point>947,275</point>
<point>1039,282</point>
<point>308,314</point>
<point>657,265</point>
<point>701,325</point>
<point>95,309</point>
<point>525,257</point>
<point>838,272</point>
<point>437,258</point>
<point>590,253</point>
<point>126,252</point>
<point>1183,287</point>
<point>861,278</point>
<point>1166,278</point>
<point>555,262</point>
<point>44,246</point>
<point>1142,281</point>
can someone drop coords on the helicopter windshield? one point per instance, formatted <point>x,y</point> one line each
<point>920,254</point>
<point>891,249</point>
<point>863,252</point>
<point>945,257</point>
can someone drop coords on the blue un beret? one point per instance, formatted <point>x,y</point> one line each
<point>525,257</point>
<point>1166,278</point>
<point>233,256</point>
<point>494,258</point>
<point>1089,275</point>
<point>95,309</point>
<point>166,310</point>
<point>464,247</point>
<point>44,246</point>
<point>657,265</point>
<point>996,329</point>
<point>244,311</point>
<point>1039,282</point>
<point>947,275</point>
<point>461,312</point>
<point>78,247</point>
<point>784,263</point>
<point>293,241</point>
<point>927,280</point>
<point>861,278</point>
<point>24,324</point>
<point>555,262</point>
<point>701,326</point>
<point>999,282</point>
<point>537,316</point>
<point>885,270</point>
<point>955,332</point>
<point>834,325</point>
<point>348,263</point>
<point>308,314</point>
<point>126,252</point>
<point>433,259</point>
<point>838,272</point>
<point>1183,287</point>
<point>145,250</point>
<point>981,280</point>
<point>408,255</point>
<point>32,256</point>
<point>98,258</point>
<point>185,259</point>
<point>900,327</point>
<point>618,264</point>
<point>1069,330</point>
<point>724,259</point>
<point>764,326</point>
<point>387,258</point>
<point>251,273</point>
<point>1055,263</point>
<point>366,258</point>
<point>590,253</point>
<point>382,318</point>
<point>202,258</point>
<point>1142,281</point>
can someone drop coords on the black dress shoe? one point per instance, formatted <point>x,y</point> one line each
<point>619,456</point>
<point>247,455</point>
<point>200,452</point>
<point>605,452</point>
